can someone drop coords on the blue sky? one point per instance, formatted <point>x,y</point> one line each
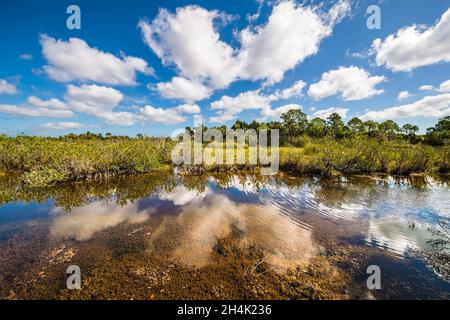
<point>150,67</point>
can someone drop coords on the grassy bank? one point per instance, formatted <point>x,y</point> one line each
<point>45,161</point>
<point>359,155</point>
<point>364,156</point>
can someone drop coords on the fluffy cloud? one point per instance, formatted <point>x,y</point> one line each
<point>101,102</point>
<point>61,126</point>
<point>76,60</point>
<point>35,112</point>
<point>51,103</point>
<point>93,99</point>
<point>352,83</point>
<point>184,89</point>
<point>445,87</point>
<point>415,46</point>
<point>189,39</point>
<point>85,221</point>
<point>275,114</point>
<point>292,33</point>
<point>221,117</point>
<point>188,108</point>
<point>160,115</point>
<point>294,91</point>
<point>229,107</point>
<point>7,88</point>
<point>325,113</point>
<point>429,106</point>
<point>98,101</point>
<point>122,118</point>
<point>403,95</point>
<point>35,107</point>
<point>426,87</point>
<point>244,101</point>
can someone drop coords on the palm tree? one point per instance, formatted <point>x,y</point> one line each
<point>371,128</point>
<point>410,131</point>
<point>295,122</point>
<point>390,129</point>
<point>317,127</point>
<point>356,125</point>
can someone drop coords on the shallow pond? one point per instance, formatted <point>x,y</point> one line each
<point>171,236</point>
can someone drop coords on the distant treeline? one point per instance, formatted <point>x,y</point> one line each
<point>319,147</point>
<point>295,123</point>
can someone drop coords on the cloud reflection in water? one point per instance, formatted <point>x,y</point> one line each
<point>82,222</point>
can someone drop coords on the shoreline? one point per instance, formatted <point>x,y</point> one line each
<point>201,170</point>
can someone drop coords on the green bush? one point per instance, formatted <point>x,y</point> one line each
<point>49,160</point>
<point>365,156</point>
<point>46,161</point>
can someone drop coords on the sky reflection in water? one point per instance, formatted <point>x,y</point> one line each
<point>265,213</point>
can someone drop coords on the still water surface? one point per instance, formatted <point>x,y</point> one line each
<point>167,236</point>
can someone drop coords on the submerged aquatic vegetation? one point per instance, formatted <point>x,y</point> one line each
<point>164,236</point>
<point>438,255</point>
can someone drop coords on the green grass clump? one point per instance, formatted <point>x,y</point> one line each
<point>365,156</point>
<point>46,161</point>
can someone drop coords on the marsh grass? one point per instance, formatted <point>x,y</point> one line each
<point>45,161</point>
<point>364,156</point>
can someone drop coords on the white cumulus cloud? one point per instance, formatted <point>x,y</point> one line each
<point>188,108</point>
<point>352,83</point>
<point>50,103</point>
<point>76,60</point>
<point>292,33</point>
<point>426,87</point>
<point>189,39</point>
<point>160,115</point>
<point>7,88</point>
<point>184,89</point>
<point>61,126</point>
<point>325,113</point>
<point>101,102</point>
<point>93,99</point>
<point>445,87</point>
<point>25,110</point>
<point>275,113</point>
<point>403,95</point>
<point>294,91</point>
<point>429,107</point>
<point>36,107</point>
<point>98,101</point>
<point>229,107</point>
<point>415,46</point>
